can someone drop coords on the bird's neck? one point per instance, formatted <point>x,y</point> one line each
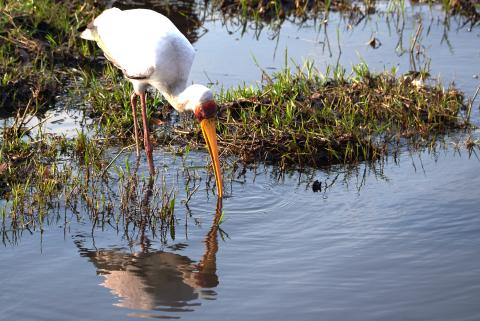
<point>176,97</point>
<point>185,98</point>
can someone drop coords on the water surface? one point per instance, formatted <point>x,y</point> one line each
<point>395,241</point>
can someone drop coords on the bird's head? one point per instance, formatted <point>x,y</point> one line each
<point>201,102</point>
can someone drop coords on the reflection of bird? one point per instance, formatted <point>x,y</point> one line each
<point>151,51</point>
<point>160,280</point>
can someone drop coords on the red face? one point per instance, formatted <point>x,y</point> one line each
<point>206,110</point>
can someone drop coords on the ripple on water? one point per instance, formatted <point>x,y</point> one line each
<point>261,195</point>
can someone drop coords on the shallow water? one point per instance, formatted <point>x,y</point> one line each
<point>399,241</point>
<point>399,244</point>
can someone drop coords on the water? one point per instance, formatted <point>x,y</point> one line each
<point>404,246</point>
<point>399,241</point>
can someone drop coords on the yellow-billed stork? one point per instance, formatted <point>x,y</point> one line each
<point>151,51</point>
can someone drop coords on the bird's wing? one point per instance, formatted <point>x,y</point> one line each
<point>124,44</point>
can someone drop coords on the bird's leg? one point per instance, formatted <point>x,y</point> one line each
<point>133,102</point>
<point>146,136</point>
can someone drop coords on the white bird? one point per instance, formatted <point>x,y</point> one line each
<point>151,51</point>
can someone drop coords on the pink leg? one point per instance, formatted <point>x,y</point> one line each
<point>146,135</point>
<point>133,102</point>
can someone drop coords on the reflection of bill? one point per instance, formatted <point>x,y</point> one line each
<point>159,281</point>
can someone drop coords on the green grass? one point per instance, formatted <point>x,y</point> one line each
<point>297,118</point>
<point>43,173</point>
<point>39,40</point>
<point>304,117</point>
<point>307,118</point>
<point>36,38</point>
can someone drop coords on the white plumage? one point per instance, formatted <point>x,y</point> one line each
<point>151,51</point>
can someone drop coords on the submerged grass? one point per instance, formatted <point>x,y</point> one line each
<point>48,174</point>
<point>272,10</point>
<point>275,11</point>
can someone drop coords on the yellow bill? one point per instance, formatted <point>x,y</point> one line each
<point>210,135</point>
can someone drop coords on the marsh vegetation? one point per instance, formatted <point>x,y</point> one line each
<point>349,141</point>
<point>299,117</point>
